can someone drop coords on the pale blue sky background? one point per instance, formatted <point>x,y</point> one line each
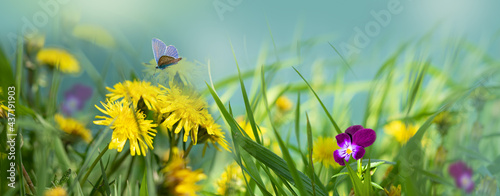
<point>196,29</point>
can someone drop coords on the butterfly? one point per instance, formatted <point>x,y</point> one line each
<point>164,55</point>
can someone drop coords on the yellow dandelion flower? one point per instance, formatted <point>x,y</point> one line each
<point>58,191</point>
<point>135,90</point>
<point>275,147</point>
<point>3,110</point>
<point>247,127</point>
<point>215,134</point>
<point>73,127</point>
<point>179,179</point>
<point>185,111</point>
<point>323,149</point>
<point>284,104</point>
<point>59,59</point>
<point>400,131</point>
<point>127,125</point>
<point>395,191</point>
<point>94,34</point>
<point>231,181</point>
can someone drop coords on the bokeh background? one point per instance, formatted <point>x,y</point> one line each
<point>301,34</point>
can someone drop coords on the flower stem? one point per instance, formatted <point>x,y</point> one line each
<point>359,168</point>
<point>188,150</point>
<point>93,165</point>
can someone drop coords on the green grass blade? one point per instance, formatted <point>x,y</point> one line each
<point>343,60</point>
<point>284,149</point>
<point>310,151</point>
<point>337,128</point>
<point>297,120</point>
<point>356,182</point>
<point>144,184</point>
<point>104,178</point>
<point>247,103</point>
<point>416,86</point>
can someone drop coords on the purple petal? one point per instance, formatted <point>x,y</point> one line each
<point>470,186</point>
<point>353,129</point>
<point>337,155</point>
<point>71,104</point>
<point>81,91</point>
<point>358,152</point>
<point>457,169</point>
<point>343,140</point>
<point>364,137</point>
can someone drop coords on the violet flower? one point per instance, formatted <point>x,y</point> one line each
<point>462,175</point>
<point>353,142</point>
<point>75,98</point>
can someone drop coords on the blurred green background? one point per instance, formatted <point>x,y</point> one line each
<point>204,30</point>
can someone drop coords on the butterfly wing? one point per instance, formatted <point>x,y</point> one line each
<point>166,61</point>
<point>172,51</point>
<point>159,49</point>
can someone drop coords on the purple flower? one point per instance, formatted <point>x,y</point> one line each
<point>462,175</point>
<point>75,98</point>
<point>353,142</point>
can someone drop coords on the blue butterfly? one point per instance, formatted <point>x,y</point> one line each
<point>164,55</point>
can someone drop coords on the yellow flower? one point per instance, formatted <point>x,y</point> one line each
<point>185,111</point>
<point>94,34</point>
<point>400,131</point>
<point>127,124</point>
<point>60,59</point>
<point>179,179</point>
<point>73,127</point>
<point>323,150</point>
<point>284,104</point>
<point>231,181</point>
<point>394,191</point>
<point>58,191</point>
<point>135,90</point>
<point>3,108</point>
<point>214,133</point>
<point>275,147</point>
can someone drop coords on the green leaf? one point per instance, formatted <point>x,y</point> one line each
<point>368,180</point>
<point>261,153</point>
<point>284,149</point>
<point>341,57</point>
<point>6,74</point>
<point>247,103</point>
<point>310,151</point>
<point>340,174</point>
<point>416,86</point>
<point>494,167</point>
<point>105,179</point>
<point>144,184</point>
<point>297,120</point>
<point>377,186</point>
<point>322,105</point>
<point>356,182</point>
<point>277,164</point>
